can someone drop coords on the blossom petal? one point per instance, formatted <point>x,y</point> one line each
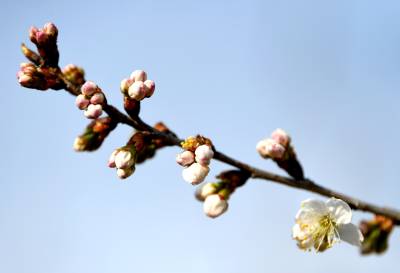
<point>339,210</point>
<point>311,210</point>
<point>351,233</point>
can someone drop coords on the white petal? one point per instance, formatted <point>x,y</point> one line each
<point>316,205</point>
<point>339,210</point>
<point>311,210</point>
<point>351,233</point>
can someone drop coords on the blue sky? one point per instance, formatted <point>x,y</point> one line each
<point>328,73</point>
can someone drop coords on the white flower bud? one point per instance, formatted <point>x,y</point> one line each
<point>270,148</point>
<point>215,205</point>
<point>281,137</point>
<point>124,159</point>
<point>79,144</point>
<point>124,173</point>
<point>185,158</point>
<point>205,190</point>
<point>195,173</point>
<point>137,91</point>
<point>125,84</point>
<point>138,75</point>
<point>204,153</point>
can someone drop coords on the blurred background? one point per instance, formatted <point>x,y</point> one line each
<point>325,71</point>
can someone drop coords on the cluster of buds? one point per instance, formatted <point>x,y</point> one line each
<point>215,195</point>
<point>41,78</point>
<point>137,86</point>
<point>124,160</point>
<point>376,234</point>
<point>91,100</point>
<point>278,147</point>
<point>94,134</point>
<point>196,158</point>
<point>45,40</point>
<point>141,146</point>
<point>74,74</point>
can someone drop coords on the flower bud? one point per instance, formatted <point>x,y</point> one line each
<point>32,34</point>
<point>185,159</point>
<point>195,173</point>
<point>281,137</point>
<point>74,74</point>
<point>215,205</point>
<point>150,87</point>
<point>79,144</point>
<point>137,90</point>
<point>270,148</point>
<point>204,153</point>
<point>81,102</point>
<point>50,29</point>
<point>125,84</point>
<point>124,159</point>
<point>88,88</point>
<point>125,173</point>
<point>138,75</point>
<point>97,98</point>
<point>93,111</point>
<point>111,160</point>
<point>207,189</point>
<point>94,134</point>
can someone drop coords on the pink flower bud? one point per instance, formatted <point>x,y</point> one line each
<point>137,91</point>
<point>81,102</point>
<point>41,37</point>
<point>195,173</point>
<point>270,148</point>
<point>124,159</point>
<point>138,75</point>
<point>93,111</point>
<point>124,173</point>
<point>32,34</point>
<point>88,88</point>
<point>185,159</point>
<point>125,84</point>
<point>281,137</point>
<point>111,160</point>
<point>204,153</point>
<point>97,98</point>
<point>150,87</point>
<point>215,205</point>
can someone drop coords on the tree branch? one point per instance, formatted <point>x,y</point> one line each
<point>306,184</point>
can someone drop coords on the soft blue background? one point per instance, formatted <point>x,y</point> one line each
<point>326,71</point>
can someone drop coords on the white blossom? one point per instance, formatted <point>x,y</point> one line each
<point>322,224</point>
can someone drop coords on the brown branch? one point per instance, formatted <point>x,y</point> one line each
<point>307,184</point>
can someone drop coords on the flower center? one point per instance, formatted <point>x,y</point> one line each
<point>325,234</point>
